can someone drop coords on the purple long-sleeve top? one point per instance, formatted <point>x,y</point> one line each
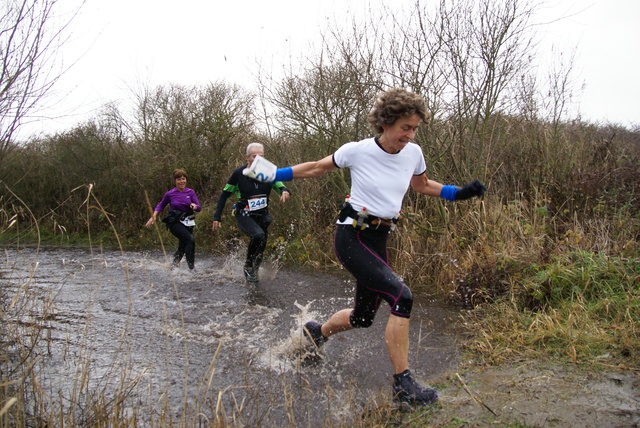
<point>178,200</point>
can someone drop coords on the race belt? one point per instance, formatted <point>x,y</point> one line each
<point>362,220</point>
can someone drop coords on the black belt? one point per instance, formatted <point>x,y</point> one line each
<point>363,221</point>
<point>376,223</point>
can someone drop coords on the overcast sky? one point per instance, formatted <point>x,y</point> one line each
<point>118,44</point>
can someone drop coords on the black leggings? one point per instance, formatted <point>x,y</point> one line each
<point>186,243</point>
<point>256,226</point>
<point>364,254</point>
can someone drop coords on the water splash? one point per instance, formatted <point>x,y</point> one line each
<point>269,269</point>
<point>295,350</point>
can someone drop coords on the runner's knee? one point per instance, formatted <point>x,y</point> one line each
<point>403,305</point>
<point>259,236</point>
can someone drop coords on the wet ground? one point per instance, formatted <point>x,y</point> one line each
<point>207,344</point>
<point>194,347</point>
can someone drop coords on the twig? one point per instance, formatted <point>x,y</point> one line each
<point>472,396</point>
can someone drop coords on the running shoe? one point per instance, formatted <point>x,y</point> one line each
<point>408,391</point>
<point>250,275</point>
<point>313,330</point>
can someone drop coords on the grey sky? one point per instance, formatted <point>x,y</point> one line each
<point>119,44</point>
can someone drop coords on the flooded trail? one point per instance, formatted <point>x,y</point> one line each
<point>207,344</point>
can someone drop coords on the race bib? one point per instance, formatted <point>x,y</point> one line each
<point>189,222</point>
<point>257,203</point>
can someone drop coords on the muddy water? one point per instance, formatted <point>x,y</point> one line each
<point>208,343</point>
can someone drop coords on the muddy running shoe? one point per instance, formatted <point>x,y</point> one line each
<point>406,390</point>
<point>250,275</point>
<point>312,330</point>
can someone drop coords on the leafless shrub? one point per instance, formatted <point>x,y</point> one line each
<point>31,31</point>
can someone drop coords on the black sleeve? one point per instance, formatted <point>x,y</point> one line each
<point>222,200</point>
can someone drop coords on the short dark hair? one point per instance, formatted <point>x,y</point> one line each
<point>393,104</point>
<point>178,172</point>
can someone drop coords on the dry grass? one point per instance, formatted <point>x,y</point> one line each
<point>533,300</point>
<point>548,272</point>
<point>537,293</point>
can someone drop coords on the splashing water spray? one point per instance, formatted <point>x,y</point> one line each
<point>294,350</point>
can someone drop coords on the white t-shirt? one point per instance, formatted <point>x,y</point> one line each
<point>379,180</point>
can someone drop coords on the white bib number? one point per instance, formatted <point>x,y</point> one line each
<point>257,203</point>
<point>189,222</point>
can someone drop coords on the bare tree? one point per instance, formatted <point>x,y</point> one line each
<point>30,35</point>
<point>324,99</point>
<point>561,84</point>
<point>198,128</point>
<point>468,58</point>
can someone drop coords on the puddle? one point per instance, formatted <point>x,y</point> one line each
<point>210,341</point>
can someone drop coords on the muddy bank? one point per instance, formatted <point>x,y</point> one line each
<point>539,395</point>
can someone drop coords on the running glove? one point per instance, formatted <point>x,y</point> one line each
<point>470,190</point>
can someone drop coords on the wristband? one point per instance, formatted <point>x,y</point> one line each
<point>448,192</point>
<point>284,174</point>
